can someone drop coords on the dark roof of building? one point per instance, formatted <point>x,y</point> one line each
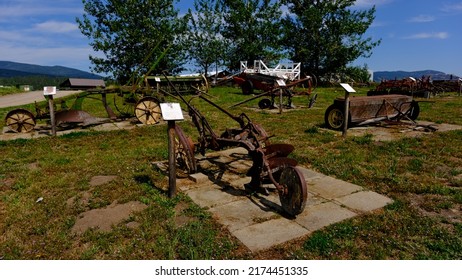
<point>75,82</point>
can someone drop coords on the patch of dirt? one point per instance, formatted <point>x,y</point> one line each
<point>103,219</point>
<point>181,218</point>
<point>101,180</point>
<point>429,205</point>
<point>396,130</point>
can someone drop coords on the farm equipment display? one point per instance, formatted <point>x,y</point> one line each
<point>270,161</point>
<point>370,109</point>
<point>261,77</point>
<point>276,83</point>
<point>409,86</point>
<point>141,102</point>
<point>423,87</point>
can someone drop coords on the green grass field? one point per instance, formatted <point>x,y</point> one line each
<point>422,176</point>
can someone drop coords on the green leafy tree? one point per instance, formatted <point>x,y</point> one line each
<point>205,43</point>
<point>253,27</point>
<point>133,36</point>
<point>327,35</point>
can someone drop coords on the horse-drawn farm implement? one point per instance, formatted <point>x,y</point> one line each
<point>119,102</point>
<point>270,161</point>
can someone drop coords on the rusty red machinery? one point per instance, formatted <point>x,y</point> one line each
<point>270,161</point>
<point>409,86</point>
<point>371,109</point>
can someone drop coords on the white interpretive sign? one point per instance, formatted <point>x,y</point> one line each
<point>171,111</point>
<point>281,83</point>
<point>348,88</point>
<point>49,90</point>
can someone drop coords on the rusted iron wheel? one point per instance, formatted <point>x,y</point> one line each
<point>20,120</point>
<point>184,150</point>
<point>247,87</point>
<point>334,117</point>
<point>147,110</point>
<point>265,103</point>
<point>293,198</point>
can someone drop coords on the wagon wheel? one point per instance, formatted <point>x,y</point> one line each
<point>20,120</point>
<point>147,110</point>
<point>125,104</point>
<point>335,117</point>
<point>184,150</point>
<point>294,195</point>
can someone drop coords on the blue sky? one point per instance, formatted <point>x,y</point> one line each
<point>416,34</point>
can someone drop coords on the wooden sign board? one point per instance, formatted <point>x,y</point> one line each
<point>171,111</point>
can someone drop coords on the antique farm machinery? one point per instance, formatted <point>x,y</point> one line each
<point>276,83</point>
<point>270,161</point>
<point>370,109</point>
<point>141,102</point>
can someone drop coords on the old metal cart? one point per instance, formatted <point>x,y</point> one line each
<point>370,109</point>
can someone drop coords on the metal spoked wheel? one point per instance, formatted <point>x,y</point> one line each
<point>125,104</point>
<point>293,198</point>
<point>147,110</point>
<point>20,120</point>
<point>184,150</point>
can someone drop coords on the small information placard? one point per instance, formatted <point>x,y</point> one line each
<point>49,90</point>
<point>348,88</point>
<point>171,111</point>
<point>157,79</point>
<point>281,83</point>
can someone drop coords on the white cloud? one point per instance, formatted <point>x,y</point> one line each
<point>422,19</point>
<point>455,7</point>
<point>434,35</point>
<point>56,27</point>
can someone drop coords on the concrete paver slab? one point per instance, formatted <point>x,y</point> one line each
<point>211,196</point>
<point>258,220</point>
<point>331,188</point>
<point>242,213</point>
<point>364,201</point>
<point>269,233</point>
<point>318,216</point>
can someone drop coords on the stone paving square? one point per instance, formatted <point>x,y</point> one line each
<point>267,234</point>
<point>331,188</point>
<point>257,220</point>
<point>364,201</point>
<point>318,216</point>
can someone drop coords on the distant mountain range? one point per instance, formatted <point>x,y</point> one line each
<point>398,75</point>
<point>14,69</point>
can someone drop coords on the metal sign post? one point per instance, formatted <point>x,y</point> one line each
<point>48,92</point>
<point>281,84</point>
<point>348,89</point>
<point>171,112</point>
